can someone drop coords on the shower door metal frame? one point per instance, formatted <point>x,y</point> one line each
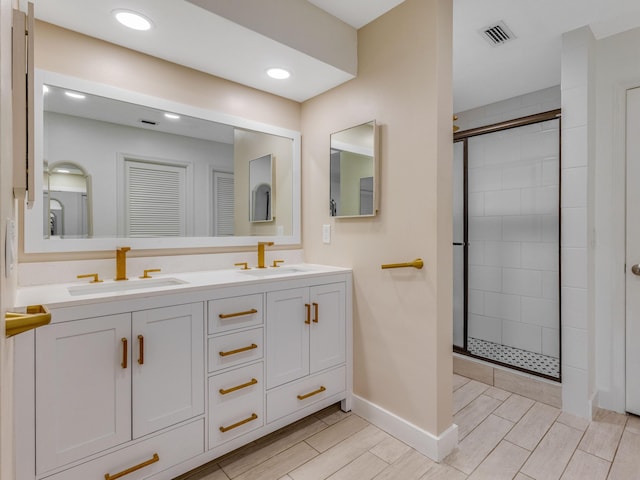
<point>463,136</point>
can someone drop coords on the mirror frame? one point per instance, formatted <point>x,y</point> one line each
<point>34,241</point>
<point>376,170</point>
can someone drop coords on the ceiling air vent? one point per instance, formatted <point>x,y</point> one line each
<point>497,34</point>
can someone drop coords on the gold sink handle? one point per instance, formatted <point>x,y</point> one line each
<point>91,275</point>
<point>276,262</point>
<point>147,272</point>
<point>244,265</point>
<point>35,316</point>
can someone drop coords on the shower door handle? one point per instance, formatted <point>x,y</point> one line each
<point>635,269</point>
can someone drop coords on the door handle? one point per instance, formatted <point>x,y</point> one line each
<point>635,269</point>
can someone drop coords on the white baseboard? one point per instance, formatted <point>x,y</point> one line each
<point>434,447</point>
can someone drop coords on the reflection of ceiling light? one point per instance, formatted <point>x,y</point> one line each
<point>132,20</point>
<point>61,170</point>
<point>45,89</point>
<point>172,116</point>
<point>278,73</point>
<point>75,95</point>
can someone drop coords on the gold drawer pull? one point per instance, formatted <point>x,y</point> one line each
<point>311,394</point>
<point>240,423</point>
<point>315,312</point>
<point>253,381</point>
<point>121,474</point>
<point>308,308</point>
<point>238,314</point>
<point>239,350</point>
<point>125,348</point>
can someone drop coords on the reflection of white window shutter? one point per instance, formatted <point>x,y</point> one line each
<point>223,204</point>
<point>156,200</point>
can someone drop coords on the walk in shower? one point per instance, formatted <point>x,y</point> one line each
<point>507,243</point>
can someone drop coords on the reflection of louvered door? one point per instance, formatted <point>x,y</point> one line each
<point>155,199</point>
<point>223,204</point>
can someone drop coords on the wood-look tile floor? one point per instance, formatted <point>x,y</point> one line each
<point>501,436</point>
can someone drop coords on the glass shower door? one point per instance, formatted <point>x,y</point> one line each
<point>513,248</point>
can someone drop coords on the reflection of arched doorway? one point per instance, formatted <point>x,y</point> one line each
<point>70,186</point>
<point>56,218</point>
<point>261,203</point>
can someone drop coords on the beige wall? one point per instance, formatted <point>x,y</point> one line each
<point>402,318</point>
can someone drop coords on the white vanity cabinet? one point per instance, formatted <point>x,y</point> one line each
<point>104,381</point>
<point>152,385</point>
<point>306,335</point>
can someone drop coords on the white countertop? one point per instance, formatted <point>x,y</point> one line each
<point>58,295</point>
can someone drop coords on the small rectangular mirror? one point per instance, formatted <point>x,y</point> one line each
<point>354,172</point>
<point>260,189</point>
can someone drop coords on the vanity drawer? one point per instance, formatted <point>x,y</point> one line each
<point>171,448</point>
<point>285,400</point>
<point>235,312</point>
<point>236,403</point>
<point>235,349</point>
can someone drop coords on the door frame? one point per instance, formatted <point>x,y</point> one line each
<point>632,328</point>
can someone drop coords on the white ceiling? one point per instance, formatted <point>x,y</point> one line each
<point>484,74</point>
<point>186,34</point>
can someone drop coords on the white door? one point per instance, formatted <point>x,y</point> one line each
<point>83,380</point>
<point>633,251</point>
<point>288,325</point>
<point>327,343</point>
<point>168,366</point>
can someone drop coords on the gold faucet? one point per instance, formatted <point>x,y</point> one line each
<point>121,263</point>
<point>261,246</point>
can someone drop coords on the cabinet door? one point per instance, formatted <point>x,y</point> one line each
<point>83,388</point>
<point>287,335</point>
<point>327,347</point>
<point>168,366</point>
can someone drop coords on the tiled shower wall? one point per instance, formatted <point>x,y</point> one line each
<point>513,225</point>
<point>514,237</point>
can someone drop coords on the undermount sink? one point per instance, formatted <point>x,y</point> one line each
<point>269,271</point>
<point>123,286</point>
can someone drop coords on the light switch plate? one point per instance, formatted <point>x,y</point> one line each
<point>326,233</point>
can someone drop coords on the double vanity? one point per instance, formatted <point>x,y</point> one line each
<point>150,378</point>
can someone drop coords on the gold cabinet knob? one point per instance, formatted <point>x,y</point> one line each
<point>635,269</point>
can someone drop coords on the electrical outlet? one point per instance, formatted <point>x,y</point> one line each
<point>326,233</point>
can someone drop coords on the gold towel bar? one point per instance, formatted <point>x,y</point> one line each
<point>35,316</point>
<point>417,263</point>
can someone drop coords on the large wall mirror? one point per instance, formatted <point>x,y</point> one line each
<point>165,175</point>
<point>354,172</point>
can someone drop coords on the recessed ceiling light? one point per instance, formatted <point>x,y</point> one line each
<point>172,116</point>
<point>278,73</point>
<point>78,96</point>
<point>132,19</point>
